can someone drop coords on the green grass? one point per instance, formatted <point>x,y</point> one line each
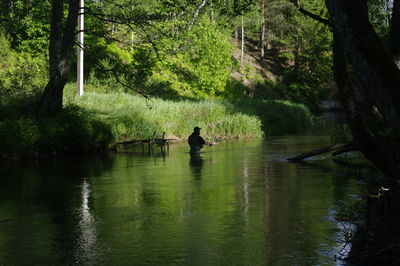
<point>100,119</point>
<point>279,117</point>
<point>131,116</point>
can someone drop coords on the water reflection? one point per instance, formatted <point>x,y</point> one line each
<point>133,209</point>
<point>245,186</point>
<point>196,164</point>
<point>87,242</point>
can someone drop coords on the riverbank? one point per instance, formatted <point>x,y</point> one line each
<point>96,121</point>
<point>376,241</point>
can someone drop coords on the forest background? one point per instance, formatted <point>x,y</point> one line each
<point>237,68</point>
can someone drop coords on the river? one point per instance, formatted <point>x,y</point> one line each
<point>239,203</point>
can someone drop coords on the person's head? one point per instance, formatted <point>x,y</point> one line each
<point>196,130</point>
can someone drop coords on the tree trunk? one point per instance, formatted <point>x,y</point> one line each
<point>262,35</point>
<point>60,51</point>
<point>197,12</point>
<point>394,37</point>
<point>212,12</point>
<point>370,91</point>
<point>341,147</point>
<point>242,42</point>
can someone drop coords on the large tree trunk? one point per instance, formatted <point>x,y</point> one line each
<point>60,50</point>
<point>370,89</point>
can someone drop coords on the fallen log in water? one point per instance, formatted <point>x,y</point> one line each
<point>338,148</point>
<point>346,149</point>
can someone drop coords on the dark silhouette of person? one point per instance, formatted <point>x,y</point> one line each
<point>195,141</point>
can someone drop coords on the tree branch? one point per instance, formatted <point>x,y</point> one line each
<point>324,21</point>
<point>119,81</point>
<point>196,14</point>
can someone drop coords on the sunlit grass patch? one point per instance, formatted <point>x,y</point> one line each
<point>135,117</point>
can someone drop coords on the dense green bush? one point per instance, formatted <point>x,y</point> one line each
<point>195,64</point>
<point>71,130</point>
<point>18,135</point>
<point>21,74</point>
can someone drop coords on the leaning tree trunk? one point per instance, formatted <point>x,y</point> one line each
<point>373,82</point>
<point>60,51</point>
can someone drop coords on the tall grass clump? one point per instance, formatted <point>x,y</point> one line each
<point>131,116</point>
<point>279,117</point>
<point>100,119</point>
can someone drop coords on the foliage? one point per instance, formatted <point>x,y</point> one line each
<point>71,130</point>
<point>20,73</point>
<point>27,24</point>
<point>379,15</point>
<point>97,120</point>
<point>340,133</point>
<point>305,48</point>
<point>163,48</point>
<point>309,80</point>
<point>279,117</point>
<point>152,47</point>
<point>18,135</point>
<point>201,65</point>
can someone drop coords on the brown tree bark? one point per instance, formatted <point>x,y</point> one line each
<point>368,82</point>
<point>62,39</point>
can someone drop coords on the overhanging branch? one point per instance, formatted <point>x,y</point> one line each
<point>320,19</point>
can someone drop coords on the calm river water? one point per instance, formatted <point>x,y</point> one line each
<point>239,203</point>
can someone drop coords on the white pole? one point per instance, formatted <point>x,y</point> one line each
<point>80,49</point>
<point>242,44</point>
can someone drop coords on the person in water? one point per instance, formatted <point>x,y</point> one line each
<point>195,141</point>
